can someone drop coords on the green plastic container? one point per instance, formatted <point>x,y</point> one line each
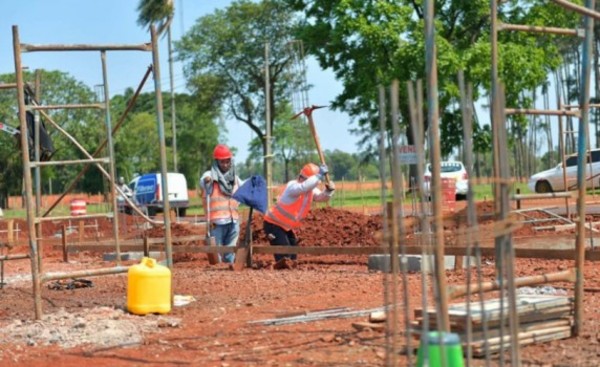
<point>450,355</point>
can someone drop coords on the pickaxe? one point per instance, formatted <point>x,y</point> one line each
<point>308,112</point>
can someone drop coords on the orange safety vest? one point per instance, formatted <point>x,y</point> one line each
<point>289,216</point>
<point>221,205</point>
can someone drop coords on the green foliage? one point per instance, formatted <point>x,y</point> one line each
<point>224,56</point>
<point>369,43</point>
<point>153,11</point>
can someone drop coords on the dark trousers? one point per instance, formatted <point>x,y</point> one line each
<point>280,237</point>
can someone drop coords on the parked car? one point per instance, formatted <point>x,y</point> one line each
<point>450,169</point>
<point>147,193</point>
<point>552,179</point>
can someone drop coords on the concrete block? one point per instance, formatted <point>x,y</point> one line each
<point>132,255</point>
<point>381,262</point>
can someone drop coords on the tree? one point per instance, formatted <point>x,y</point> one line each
<point>84,125</point>
<point>369,43</point>
<point>161,13</point>
<point>155,11</point>
<point>224,56</point>
<point>137,139</point>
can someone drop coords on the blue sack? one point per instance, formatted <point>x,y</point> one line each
<point>253,193</point>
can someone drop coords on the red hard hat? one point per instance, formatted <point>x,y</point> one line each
<point>309,169</point>
<point>222,152</point>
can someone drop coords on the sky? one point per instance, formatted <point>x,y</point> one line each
<point>115,22</point>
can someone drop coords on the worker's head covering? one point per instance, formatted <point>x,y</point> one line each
<point>309,169</point>
<point>222,152</point>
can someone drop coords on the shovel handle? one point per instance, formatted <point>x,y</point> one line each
<point>313,131</point>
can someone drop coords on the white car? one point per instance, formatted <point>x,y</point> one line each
<point>450,169</point>
<point>552,180</point>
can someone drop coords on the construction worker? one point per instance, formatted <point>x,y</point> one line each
<point>219,183</point>
<point>122,205</point>
<point>293,205</point>
<point>123,186</point>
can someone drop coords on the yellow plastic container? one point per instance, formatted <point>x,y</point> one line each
<point>148,288</point>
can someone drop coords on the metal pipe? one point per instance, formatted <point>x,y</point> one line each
<point>14,257</point>
<point>455,291</point>
<point>85,47</point>
<point>66,106</point>
<point>78,161</point>
<point>172,87</point>
<point>85,273</point>
<point>103,144</point>
<point>33,244</point>
<point>533,111</point>
<point>587,10</point>
<point>86,216</point>
<point>162,146</point>
<point>268,154</point>
<point>37,171</point>
<point>538,29</point>
<point>111,155</point>
<point>8,85</point>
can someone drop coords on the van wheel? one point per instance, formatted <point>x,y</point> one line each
<point>180,212</point>
<point>151,212</point>
<point>543,187</point>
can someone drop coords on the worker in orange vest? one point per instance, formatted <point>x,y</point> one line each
<point>219,183</point>
<point>293,205</point>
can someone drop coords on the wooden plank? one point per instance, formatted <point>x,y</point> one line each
<point>478,336</point>
<point>559,313</point>
<point>540,337</point>
<point>525,304</point>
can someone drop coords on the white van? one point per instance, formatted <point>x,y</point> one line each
<point>552,180</point>
<point>147,193</point>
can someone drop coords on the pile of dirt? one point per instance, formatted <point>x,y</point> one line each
<point>325,227</point>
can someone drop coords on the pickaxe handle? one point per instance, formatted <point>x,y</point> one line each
<point>313,131</point>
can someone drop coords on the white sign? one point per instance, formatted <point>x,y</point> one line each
<point>407,154</point>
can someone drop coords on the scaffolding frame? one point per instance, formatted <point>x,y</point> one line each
<point>504,248</point>
<point>34,219</point>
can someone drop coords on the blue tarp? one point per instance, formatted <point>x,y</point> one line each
<point>253,193</point>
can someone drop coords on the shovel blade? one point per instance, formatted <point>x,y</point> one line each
<point>241,257</point>
<point>212,258</point>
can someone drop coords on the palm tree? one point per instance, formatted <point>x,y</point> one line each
<point>160,13</point>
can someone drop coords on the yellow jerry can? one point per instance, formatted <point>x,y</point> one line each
<point>148,288</point>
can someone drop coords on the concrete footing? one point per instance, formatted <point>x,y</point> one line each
<point>381,262</point>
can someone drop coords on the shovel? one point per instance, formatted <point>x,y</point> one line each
<point>243,253</point>
<point>210,240</point>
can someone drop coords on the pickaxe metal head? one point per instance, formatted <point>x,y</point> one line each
<point>307,111</point>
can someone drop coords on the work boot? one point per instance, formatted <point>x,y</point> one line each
<point>285,263</point>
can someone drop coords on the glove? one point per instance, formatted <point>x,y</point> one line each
<point>323,170</point>
<point>331,187</point>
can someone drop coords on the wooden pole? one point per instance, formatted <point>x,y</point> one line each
<point>64,243</point>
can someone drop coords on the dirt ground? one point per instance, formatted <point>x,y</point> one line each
<point>224,324</point>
